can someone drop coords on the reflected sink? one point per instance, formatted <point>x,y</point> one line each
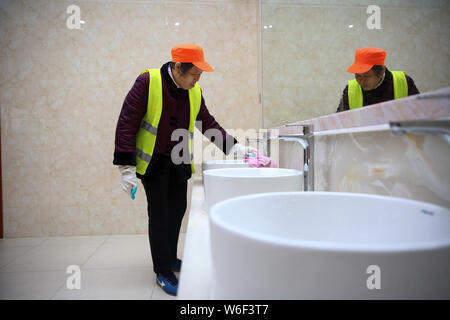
<point>328,245</point>
<point>222,164</point>
<point>222,184</point>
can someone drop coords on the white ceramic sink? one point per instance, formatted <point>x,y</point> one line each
<point>319,245</point>
<point>222,164</point>
<point>222,184</point>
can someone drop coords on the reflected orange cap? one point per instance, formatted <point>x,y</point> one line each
<point>366,58</point>
<point>192,53</point>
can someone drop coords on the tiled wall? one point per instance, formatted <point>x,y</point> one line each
<point>308,45</point>
<point>61,91</point>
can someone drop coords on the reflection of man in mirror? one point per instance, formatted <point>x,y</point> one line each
<point>373,82</point>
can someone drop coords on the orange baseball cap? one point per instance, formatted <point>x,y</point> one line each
<point>366,58</point>
<point>192,53</point>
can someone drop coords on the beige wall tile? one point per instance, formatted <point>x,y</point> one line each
<point>61,92</point>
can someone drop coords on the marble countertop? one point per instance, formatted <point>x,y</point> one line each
<point>195,281</point>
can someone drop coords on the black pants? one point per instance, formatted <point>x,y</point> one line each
<point>166,189</point>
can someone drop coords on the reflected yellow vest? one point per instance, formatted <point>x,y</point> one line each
<point>355,95</point>
<point>146,136</point>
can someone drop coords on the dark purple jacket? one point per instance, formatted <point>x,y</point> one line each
<point>384,92</point>
<point>175,114</point>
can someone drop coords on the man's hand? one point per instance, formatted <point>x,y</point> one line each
<point>129,180</point>
<point>241,151</point>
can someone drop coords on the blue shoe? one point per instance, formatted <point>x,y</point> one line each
<point>176,265</point>
<point>168,282</point>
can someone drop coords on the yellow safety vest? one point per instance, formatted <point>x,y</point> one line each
<point>355,95</point>
<point>146,136</point>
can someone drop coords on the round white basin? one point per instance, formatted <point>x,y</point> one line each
<point>320,245</point>
<point>222,184</point>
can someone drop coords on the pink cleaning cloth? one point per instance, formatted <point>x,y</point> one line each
<point>259,161</point>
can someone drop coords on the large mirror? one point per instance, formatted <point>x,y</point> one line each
<point>307,46</point>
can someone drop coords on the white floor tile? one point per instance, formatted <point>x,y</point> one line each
<point>122,251</point>
<point>112,267</point>
<point>118,283</point>
<point>17,242</point>
<point>180,248</point>
<point>51,257</point>
<point>127,239</point>
<point>78,240</point>
<point>30,285</point>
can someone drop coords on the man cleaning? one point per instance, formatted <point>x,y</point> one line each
<point>160,103</point>
<point>373,82</point>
